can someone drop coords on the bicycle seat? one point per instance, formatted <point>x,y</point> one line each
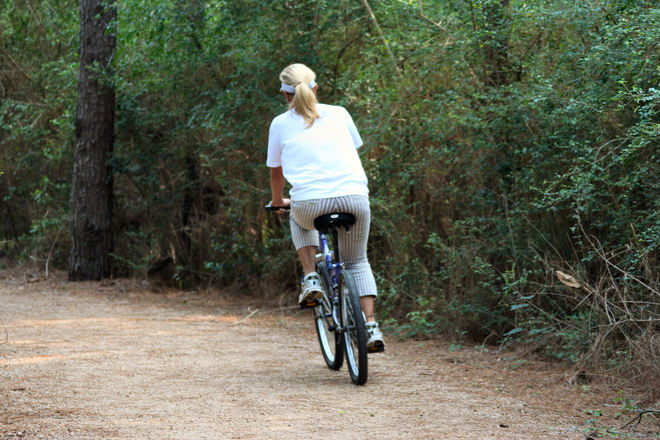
<point>335,220</point>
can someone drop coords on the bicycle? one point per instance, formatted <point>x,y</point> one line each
<point>339,321</point>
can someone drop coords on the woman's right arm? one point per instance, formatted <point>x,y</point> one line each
<point>277,187</point>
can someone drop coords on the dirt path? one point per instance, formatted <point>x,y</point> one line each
<point>84,361</point>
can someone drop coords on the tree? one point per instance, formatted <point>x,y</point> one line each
<point>92,192</point>
<point>496,41</point>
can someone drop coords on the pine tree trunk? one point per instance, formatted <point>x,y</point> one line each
<point>91,205</point>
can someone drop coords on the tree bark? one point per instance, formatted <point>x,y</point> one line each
<point>92,193</point>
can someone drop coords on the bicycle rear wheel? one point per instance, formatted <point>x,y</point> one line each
<point>332,344</point>
<point>355,332</point>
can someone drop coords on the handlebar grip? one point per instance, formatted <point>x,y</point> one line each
<point>271,208</point>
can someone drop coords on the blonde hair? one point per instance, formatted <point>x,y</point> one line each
<point>304,100</point>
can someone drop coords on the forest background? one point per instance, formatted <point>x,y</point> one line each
<point>512,148</point>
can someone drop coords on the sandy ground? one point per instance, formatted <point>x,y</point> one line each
<point>98,361</point>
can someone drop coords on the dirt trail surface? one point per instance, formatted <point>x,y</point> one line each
<point>93,361</point>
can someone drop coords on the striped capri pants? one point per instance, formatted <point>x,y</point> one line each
<point>352,245</point>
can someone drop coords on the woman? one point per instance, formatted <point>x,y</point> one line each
<point>314,147</point>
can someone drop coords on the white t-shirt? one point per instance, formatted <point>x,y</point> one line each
<point>320,161</point>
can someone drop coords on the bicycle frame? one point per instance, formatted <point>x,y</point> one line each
<point>334,269</point>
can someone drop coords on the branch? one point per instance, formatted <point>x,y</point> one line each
<point>382,35</point>
<point>244,319</point>
<point>6,333</point>
<point>439,25</point>
<point>260,312</point>
<point>335,70</point>
<point>638,417</point>
<point>601,254</point>
<point>18,67</point>
<point>50,253</point>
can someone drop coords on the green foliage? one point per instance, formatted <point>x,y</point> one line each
<point>38,74</point>
<point>628,409</point>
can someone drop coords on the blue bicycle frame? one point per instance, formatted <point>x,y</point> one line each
<point>334,269</point>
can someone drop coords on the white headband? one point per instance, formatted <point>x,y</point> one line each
<point>291,89</point>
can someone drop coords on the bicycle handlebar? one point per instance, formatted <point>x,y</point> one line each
<point>271,208</point>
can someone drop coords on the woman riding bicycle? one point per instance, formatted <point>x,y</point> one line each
<point>314,147</point>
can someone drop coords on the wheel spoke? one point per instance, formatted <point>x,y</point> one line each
<point>330,341</point>
<point>354,330</point>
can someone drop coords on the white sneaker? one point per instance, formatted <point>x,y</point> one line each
<point>375,343</point>
<point>312,289</point>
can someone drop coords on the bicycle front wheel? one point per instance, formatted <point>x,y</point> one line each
<point>355,332</point>
<point>332,345</point>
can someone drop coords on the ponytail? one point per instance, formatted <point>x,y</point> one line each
<point>298,79</point>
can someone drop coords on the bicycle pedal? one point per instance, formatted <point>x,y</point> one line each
<point>309,304</point>
<point>376,349</point>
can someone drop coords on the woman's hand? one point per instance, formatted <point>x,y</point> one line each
<point>280,203</point>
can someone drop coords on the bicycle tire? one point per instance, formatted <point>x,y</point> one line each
<point>355,332</point>
<point>331,342</point>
